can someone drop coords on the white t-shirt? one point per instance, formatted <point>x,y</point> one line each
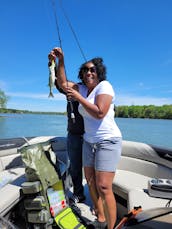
<point>99,129</point>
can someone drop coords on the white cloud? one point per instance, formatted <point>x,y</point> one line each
<point>41,102</point>
<point>36,96</point>
<point>141,100</point>
<point>49,105</point>
<point>36,102</point>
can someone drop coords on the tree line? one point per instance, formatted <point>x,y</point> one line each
<point>145,111</point>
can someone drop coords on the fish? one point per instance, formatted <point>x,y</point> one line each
<point>52,77</point>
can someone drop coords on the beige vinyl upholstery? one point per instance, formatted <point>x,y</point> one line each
<point>139,164</point>
<point>11,165</point>
<point>12,168</point>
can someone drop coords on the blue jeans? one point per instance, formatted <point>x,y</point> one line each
<point>74,145</point>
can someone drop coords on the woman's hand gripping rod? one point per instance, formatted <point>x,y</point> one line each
<point>53,80</point>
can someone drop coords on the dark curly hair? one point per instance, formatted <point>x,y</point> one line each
<point>100,69</point>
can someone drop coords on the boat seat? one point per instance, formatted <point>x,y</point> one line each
<point>126,181</point>
<point>12,171</point>
<point>133,188</point>
<point>139,164</point>
<point>11,189</point>
<point>138,197</point>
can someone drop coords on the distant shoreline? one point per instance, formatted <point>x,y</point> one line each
<point>14,111</point>
<point>133,111</point>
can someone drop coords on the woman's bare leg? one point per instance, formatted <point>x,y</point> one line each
<point>96,198</point>
<point>104,186</point>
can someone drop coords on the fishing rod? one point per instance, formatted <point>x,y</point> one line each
<point>73,32</point>
<point>72,115</point>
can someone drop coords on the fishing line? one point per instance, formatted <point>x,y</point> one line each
<point>57,24</point>
<point>71,27</point>
<point>60,42</point>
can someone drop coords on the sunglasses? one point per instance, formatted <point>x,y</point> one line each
<point>86,69</point>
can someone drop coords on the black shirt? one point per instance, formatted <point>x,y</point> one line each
<point>76,127</point>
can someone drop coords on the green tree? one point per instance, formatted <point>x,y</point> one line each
<point>149,111</point>
<point>3,99</point>
<point>121,111</point>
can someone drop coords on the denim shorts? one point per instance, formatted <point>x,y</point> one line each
<point>104,155</point>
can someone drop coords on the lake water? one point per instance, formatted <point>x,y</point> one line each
<point>151,131</point>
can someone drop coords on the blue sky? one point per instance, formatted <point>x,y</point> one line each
<point>134,37</point>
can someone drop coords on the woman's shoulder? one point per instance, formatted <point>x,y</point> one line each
<point>105,83</point>
<point>105,87</point>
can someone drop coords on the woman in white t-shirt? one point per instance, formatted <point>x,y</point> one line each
<point>102,137</point>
